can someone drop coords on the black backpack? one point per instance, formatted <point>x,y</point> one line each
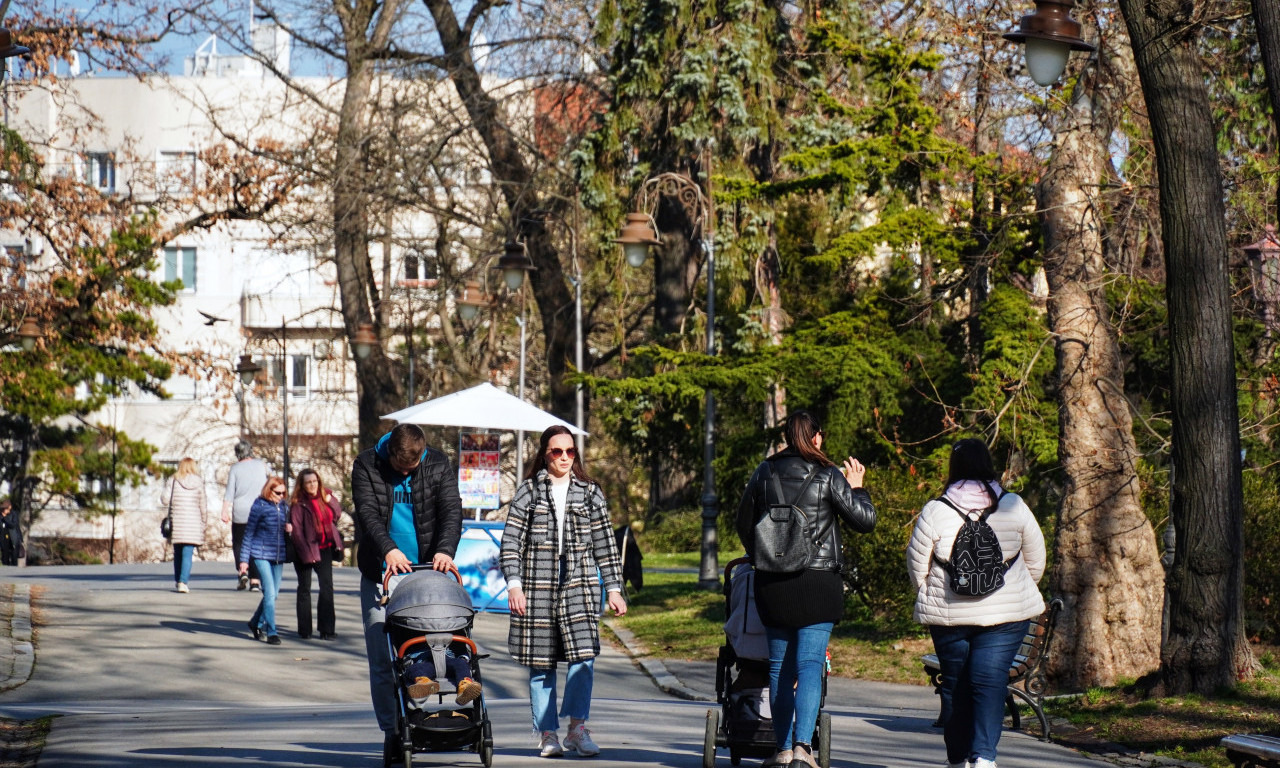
<point>977,566</point>
<point>780,544</point>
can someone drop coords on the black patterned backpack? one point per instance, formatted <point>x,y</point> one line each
<point>977,566</point>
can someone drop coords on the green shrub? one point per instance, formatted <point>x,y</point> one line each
<point>1261,555</point>
<point>679,530</point>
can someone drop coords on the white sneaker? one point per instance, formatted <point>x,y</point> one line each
<point>579,740</point>
<point>183,587</point>
<point>549,745</point>
<point>983,762</point>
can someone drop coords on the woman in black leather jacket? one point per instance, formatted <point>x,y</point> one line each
<point>800,609</point>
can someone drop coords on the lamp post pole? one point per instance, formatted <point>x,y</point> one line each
<point>639,233</point>
<point>284,400</point>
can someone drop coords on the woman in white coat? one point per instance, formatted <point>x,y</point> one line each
<point>187,509</point>
<point>975,638</point>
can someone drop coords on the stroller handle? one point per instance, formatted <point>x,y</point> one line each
<point>407,644</point>
<point>386,578</point>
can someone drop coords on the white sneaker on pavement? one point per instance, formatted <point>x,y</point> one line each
<point>779,760</point>
<point>579,740</point>
<point>983,762</point>
<point>183,587</point>
<point>549,745</point>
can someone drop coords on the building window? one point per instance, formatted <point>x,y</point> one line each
<point>180,264</point>
<point>293,372</point>
<point>411,266</point>
<point>100,171</point>
<point>176,170</point>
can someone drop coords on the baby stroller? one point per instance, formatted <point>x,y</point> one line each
<point>429,613</point>
<point>743,723</point>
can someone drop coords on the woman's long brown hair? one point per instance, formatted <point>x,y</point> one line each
<point>300,495</point>
<point>540,461</point>
<point>801,428</point>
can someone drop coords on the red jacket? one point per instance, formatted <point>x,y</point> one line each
<point>305,535</point>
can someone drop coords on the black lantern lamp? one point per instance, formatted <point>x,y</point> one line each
<point>514,263</point>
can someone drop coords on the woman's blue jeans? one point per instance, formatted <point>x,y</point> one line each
<point>797,660</point>
<point>182,562</point>
<point>576,704</point>
<point>975,665</point>
<point>270,574</point>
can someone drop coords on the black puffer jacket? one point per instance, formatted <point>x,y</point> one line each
<point>437,508</point>
<point>826,497</point>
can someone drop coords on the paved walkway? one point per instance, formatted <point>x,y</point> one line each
<point>877,725</point>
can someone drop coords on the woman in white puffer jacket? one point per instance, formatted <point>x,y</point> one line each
<point>975,638</point>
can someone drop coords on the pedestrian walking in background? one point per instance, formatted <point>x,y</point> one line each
<point>313,529</point>
<point>264,546</point>
<point>557,545</point>
<point>244,484</point>
<point>186,504</point>
<point>975,635</point>
<point>408,512</point>
<point>11,549</point>
<point>800,602</point>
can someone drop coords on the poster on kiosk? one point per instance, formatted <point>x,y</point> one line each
<point>479,475</point>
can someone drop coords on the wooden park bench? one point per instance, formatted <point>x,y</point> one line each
<point>1028,676</point>
<point>1252,750</point>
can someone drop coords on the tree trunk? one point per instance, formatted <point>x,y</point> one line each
<point>1106,565</point>
<point>378,385</point>
<point>1266,18</point>
<point>1205,647</point>
<point>512,176</point>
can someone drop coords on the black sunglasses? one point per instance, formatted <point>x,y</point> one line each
<point>558,452</point>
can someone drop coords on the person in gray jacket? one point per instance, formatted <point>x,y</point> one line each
<point>244,484</point>
<point>800,609</point>
<point>407,512</point>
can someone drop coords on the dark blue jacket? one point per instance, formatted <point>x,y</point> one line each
<point>264,532</point>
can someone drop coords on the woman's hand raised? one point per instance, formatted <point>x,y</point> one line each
<point>853,472</point>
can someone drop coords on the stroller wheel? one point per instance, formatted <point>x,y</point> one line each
<point>709,739</point>
<point>824,739</point>
<point>486,745</point>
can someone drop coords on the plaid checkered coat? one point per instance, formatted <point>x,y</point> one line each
<point>562,623</point>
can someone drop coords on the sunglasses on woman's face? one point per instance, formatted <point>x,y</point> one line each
<point>558,452</point>
<point>278,492</point>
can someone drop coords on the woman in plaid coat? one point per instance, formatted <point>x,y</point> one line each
<point>557,544</point>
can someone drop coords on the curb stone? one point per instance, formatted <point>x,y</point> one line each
<point>652,667</point>
<point>16,650</point>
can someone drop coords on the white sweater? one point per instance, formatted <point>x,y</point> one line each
<point>1018,599</point>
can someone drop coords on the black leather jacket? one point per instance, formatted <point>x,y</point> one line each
<point>826,497</point>
<point>437,508</point>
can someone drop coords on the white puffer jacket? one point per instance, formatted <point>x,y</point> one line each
<point>935,531</point>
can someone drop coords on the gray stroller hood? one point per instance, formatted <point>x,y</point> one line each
<point>430,601</point>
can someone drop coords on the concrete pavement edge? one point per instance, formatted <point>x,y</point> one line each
<point>16,648</point>
<point>652,667</point>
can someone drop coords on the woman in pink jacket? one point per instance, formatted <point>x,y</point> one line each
<point>975,637</point>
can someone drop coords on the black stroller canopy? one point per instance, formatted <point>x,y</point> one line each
<point>430,601</point>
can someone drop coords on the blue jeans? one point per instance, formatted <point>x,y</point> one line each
<point>182,562</point>
<point>797,659</point>
<point>975,665</point>
<point>577,694</point>
<point>270,574</point>
<point>382,681</point>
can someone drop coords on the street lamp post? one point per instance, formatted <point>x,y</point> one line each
<point>637,235</point>
<point>249,369</point>
<point>514,263</point>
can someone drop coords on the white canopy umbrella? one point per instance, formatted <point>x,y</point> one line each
<point>484,406</point>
